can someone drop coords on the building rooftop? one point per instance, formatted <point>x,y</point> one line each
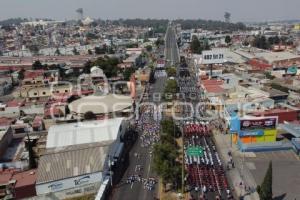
<point>72,161</point>
<point>25,178</point>
<point>274,92</point>
<point>83,132</point>
<point>271,57</point>
<point>291,128</point>
<point>101,104</point>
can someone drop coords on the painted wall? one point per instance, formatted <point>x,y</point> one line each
<point>72,182</point>
<point>268,136</point>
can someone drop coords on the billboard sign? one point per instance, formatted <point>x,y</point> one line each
<point>215,56</point>
<point>261,123</point>
<point>195,151</point>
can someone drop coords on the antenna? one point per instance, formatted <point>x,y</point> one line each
<point>79,11</point>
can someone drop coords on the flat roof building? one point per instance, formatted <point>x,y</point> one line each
<point>84,132</point>
<point>79,157</point>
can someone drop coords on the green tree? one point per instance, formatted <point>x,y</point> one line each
<point>159,42</point>
<point>245,43</point>
<point>57,52</point>
<point>171,71</point>
<point>109,65</point>
<point>149,48</point>
<point>99,50</point>
<point>169,127</point>
<point>171,87</point>
<point>195,45</point>
<point>21,74</point>
<point>89,115</point>
<point>128,72</point>
<point>37,65</point>
<point>87,67</point>
<point>265,189</point>
<point>261,42</point>
<point>227,39</point>
<point>75,51</point>
<point>164,162</point>
<point>34,49</point>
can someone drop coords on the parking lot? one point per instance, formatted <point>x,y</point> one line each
<point>286,176</point>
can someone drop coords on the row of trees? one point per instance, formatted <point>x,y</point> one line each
<point>165,155</point>
<point>210,24</point>
<point>160,25</point>
<point>110,68</point>
<point>107,64</point>
<point>266,43</point>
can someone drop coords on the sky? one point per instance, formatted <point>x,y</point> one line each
<point>241,10</point>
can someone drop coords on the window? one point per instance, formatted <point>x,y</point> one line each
<point>44,93</point>
<point>35,94</point>
<point>66,91</point>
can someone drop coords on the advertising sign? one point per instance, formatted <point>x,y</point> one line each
<point>261,123</point>
<point>65,184</point>
<point>251,133</point>
<point>215,56</point>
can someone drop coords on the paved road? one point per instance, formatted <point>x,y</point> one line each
<point>136,190</point>
<point>171,48</point>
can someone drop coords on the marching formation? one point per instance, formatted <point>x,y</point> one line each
<point>202,161</point>
<point>148,126</point>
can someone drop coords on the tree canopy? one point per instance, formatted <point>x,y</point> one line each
<point>171,71</point>
<point>128,72</point>
<point>169,127</point>
<point>198,46</point>
<point>171,86</point>
<point>37,65</point>
<point>89,116</point>
<point>227,39</point>
<point>107,64</point>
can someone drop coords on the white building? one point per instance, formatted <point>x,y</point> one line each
<point>79,157</point>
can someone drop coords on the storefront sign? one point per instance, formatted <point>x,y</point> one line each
<point>55,186</point>
<point>82,180</point>
<point>251,133</point>
<point>264,123</point>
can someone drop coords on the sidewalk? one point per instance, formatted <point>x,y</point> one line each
<point>239,174</point>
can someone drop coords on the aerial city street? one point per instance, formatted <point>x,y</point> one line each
<point>172,100</point>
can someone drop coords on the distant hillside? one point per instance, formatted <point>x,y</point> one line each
<point>12,21</point>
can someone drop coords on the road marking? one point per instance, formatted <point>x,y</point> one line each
<point>131,185</point>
